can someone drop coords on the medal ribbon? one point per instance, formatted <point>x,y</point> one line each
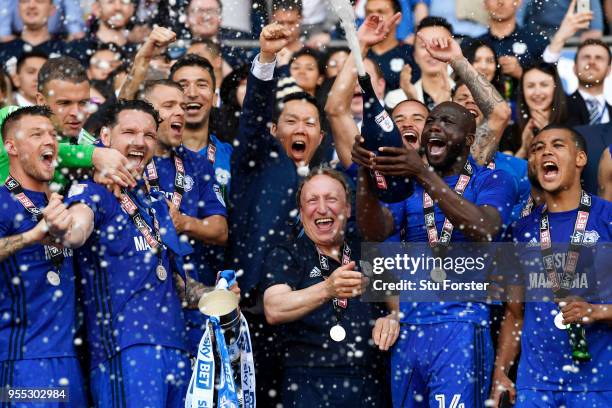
<point>428,210</point>
<point>153,239</point>
<point>57,254</point>
<point>528,207</point>
<point>179,179</point>
<point>339,304</point>
<point>571,260</point>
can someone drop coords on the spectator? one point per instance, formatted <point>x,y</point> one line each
<point>586,106</point>
<point>413,11</point>
<point>34,36</point>
<point>435,84</point>
<point>6,89</point>
<point>335,61</point>
<point>514,46</point>
<point>307,69</point>
<point>451,11</point>
<point>67,19</point>
<point>541,102</point>
<point>26,80</point>
<point>545,17</point>
<point>104,60</point>
<point>204,22</point>
<point>112,18</point>
<point>390,54</point>
<point>288,13</point>
<point>311,306</point>
<point>483,58</point>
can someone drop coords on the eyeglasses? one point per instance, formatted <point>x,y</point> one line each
<point>207,12</point>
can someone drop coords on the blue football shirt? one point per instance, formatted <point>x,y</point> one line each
<point>202,198</point>
<point>125,303</point>
<point>37,319</point>
<point>546,362</point>
<point>494,188</point>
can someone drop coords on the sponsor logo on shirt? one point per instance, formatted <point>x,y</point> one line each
<point>219,194</point>
<point>315,273</point>
<point>539,280</point>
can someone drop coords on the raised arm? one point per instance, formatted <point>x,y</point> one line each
<point>81,226</point>
<point>571,24</point>
<point>375,221</point>
<point>158,40</point>
<point>494,108</point>
<point>258,105</point>
<point>338,106</point>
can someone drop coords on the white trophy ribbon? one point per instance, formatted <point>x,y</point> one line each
<point>221,307</point>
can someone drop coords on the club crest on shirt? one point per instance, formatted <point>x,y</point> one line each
<point>188,183</point>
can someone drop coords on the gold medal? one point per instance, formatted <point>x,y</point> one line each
<point>161,272</point>
<point>53,278</point>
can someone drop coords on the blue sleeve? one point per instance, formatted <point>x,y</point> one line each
<point>254,141</point>
<point>93,195</point>
<point>210,192</point>
<point>7,13</point>
<point>498,190</point>
<point>73,16</point>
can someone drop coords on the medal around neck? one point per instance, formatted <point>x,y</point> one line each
<point>337,333</point>
<point>53,278</point>
<point>438,275</point>
<point>161,273</point>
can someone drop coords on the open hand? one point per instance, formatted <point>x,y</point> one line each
<point>374,29</point>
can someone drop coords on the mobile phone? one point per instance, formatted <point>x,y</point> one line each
<point>583,6</point>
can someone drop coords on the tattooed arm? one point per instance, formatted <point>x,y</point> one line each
<point>15,243</point>
<point>494,108</point>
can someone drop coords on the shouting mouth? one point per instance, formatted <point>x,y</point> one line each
<point>436,147</point>
<point>551,170</point>
<point>410,136</point>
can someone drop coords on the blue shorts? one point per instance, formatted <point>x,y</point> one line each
<point>44,373</point>
<point>559,399</point>
<point>317,388</point>
<point>142,376</point>
<point>441,364</point>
